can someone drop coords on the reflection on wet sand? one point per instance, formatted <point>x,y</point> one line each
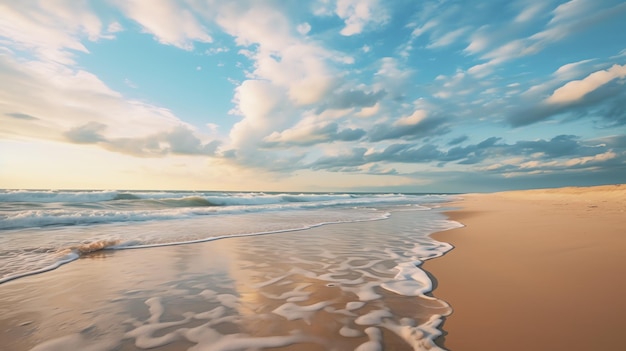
<point>337,287</point>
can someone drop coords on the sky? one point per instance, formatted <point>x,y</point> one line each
<point>320,95</point>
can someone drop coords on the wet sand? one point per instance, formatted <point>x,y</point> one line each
<point>317,289</point>
<point>536,270</point>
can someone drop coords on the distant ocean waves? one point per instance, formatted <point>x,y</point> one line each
<point>28,209</point>
<point>41,230</point>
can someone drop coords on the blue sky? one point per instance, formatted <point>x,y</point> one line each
<point>323,95</point>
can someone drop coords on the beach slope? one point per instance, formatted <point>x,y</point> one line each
<point>536,270</point>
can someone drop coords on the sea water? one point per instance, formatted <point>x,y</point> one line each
<point>366,249</point>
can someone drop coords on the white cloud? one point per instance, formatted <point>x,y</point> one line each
<point>477,44</point>
<point>292,66</point>
<point>530,12</point>
<point>564,73</point>
<point>213,128</point>
<point>289,73</point>
<point>369,111</point>
<point>323,8</point>
<point>301,69</point>
<point>481,70</point>
<point>574,16</point>
<point>114,27</point>
<point>168,21</point>
<point>415,118</point>
<point>75,106</point>
<point>130,83</point>
<point>609,155</point>
<point>303,28</point>
<point>392,78</point>
<point>255,23</point>
<point>448,38</point>
<point>417,32</point>
<point>358,14</point>
<point>503,53</point>
<point>566,19</point>
<point>570,70</point>
<point>620,54</point>
<point>259,103</point>
<point>216,50</point>
<point>306,132</point>
<point>576,90</point>
<point>571,10</point>
<point>50,30</point>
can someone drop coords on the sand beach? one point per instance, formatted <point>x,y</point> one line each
<point>536,270</point>
<point>530,270</point>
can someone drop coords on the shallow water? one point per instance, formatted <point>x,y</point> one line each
<point>334,287</point>
<point>42,230</point>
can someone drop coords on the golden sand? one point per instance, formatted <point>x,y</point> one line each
<point>536,270</point>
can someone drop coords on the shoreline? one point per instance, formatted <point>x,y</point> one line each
<point>330,287</point>
<point>536,269</point>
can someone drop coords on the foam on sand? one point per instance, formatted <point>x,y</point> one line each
<point>342,286</point>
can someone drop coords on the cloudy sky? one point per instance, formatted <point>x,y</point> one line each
<point>321,95</point>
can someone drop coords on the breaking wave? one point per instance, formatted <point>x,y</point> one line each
<point>35,209</point>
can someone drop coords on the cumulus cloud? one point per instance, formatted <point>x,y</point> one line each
<point>51,30</point>
<point>359,14</point>
<point>260,103</point>
<point>75,106</point>
<point>311,134</point>
<point>417,117</point>
<point>294,91</point>
<point>170,22</point>
<point>291,76</point>
<point>303,28</point>
<point>392,77</point>
<point>366,112</point>
<point>298,66</point>
<point>179,140</point>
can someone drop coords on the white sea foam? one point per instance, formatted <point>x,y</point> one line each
<point>292,311</point>
<point>375,342</point>
<point>70,224</point>
<point>56,196</point>
<point>373,318</point>
<point>293,283</point>
<point>168,206</point>
<point>349,332</point>
<point>31,251</point>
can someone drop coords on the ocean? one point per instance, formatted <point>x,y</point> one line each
<point>287,248</point>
